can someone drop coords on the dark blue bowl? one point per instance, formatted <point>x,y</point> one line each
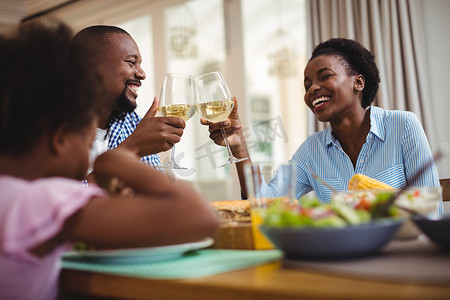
<point>333,243</point>
<point>436,229</point>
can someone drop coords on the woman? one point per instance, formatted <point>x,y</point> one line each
<point>341,81</point>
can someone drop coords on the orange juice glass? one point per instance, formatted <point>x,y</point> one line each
<point>261,180</point>
<point>259,239</point>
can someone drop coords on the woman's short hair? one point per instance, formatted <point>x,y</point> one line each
<point>358,60</point>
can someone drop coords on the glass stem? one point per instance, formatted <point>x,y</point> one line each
<point>226,142</point>
<point>172,153</point>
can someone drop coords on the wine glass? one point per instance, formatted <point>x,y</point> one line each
<point>215,103</point>
<point>177,100</point>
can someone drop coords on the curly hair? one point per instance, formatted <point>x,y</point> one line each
<point>45,83</point>
<point>358,60</point>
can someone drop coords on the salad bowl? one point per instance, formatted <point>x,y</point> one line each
<point>313,230</point>
<point>333,243</point>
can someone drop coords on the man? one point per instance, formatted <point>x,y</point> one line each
<point>114,52</point>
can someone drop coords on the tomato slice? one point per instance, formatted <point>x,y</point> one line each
<point>363,204</point>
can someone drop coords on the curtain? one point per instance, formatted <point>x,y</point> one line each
<point>393,31</point>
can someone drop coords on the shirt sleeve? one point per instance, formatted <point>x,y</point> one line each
<point>416,151</point>
<point>152,160</point>
<point>278,187</point>
<point>40,210</point>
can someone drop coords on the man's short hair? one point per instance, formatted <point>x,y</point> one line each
<point>96,39</point>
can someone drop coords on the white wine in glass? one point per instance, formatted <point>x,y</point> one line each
<point>215,111</point>
<point>215,103</point>
<point>182,111</point>
<point>177,100</point>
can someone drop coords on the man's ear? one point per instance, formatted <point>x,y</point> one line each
<point>359,83</point>
<point>58,140</point>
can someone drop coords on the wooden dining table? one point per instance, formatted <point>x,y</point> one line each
<point>269,281</point>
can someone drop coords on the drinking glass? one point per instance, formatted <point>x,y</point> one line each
<point>215,103</point>
<point>177,100</point>
<point>258,178</point>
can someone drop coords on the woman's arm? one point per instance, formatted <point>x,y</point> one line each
<point>235,136</point>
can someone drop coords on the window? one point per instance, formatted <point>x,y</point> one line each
<point>195,44</point>
<point>275,56</point>
<point>139,29</point>
<point>191,37</point>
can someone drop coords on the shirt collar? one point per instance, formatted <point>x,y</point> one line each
<point>376,122</point>
<point>329,138</point>
<point>376,126</point>
<point>116,117</point>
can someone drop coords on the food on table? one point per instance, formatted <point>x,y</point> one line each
<point>80,246</point>
<point>363,199</point>
<point>421,199</point>
<point>424,200</point>
<point>363,182</point>
<point>311,213</point>
<point>230,211</point>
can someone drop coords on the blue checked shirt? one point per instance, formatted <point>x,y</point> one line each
<point>395,149</point>
<point>120,128</point>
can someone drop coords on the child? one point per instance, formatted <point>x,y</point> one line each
<point>49,101</point>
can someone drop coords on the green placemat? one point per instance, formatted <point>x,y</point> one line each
<point>193,264</point>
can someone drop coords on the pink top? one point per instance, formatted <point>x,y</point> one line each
<point>32,212</point>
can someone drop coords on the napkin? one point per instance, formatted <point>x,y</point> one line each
<point>193,264</point>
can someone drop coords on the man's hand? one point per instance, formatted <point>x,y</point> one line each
<point>154,134</point>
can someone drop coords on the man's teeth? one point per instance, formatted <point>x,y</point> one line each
<point>320,100</point>
<point>135,88</point>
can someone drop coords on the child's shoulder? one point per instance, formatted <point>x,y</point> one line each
<point>53,190</point>
<point>34,210</point>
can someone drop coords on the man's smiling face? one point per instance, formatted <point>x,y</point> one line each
<point>120,65</point>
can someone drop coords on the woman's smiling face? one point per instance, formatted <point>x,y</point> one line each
<point>329,89</point>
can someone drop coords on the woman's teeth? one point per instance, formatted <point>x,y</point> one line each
<point>320,100</point>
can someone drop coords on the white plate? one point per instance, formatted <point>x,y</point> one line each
<point>137,255</point>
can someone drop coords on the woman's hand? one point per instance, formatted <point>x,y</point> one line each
<point>233,130</point>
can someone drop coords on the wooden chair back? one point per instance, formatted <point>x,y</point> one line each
<point>445,183</point>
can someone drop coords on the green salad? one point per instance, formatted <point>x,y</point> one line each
<point>309,212</point>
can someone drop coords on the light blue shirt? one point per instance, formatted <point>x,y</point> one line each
<point>395,149</point>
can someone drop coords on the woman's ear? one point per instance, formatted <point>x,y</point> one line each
<point>359,83</point>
